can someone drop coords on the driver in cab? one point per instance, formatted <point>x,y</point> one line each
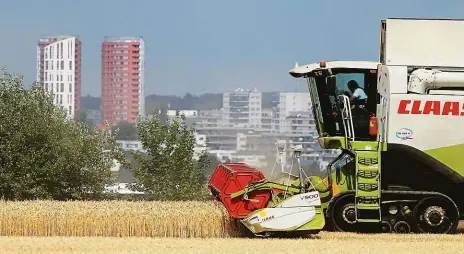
<point>358,107</point>
<point>358,94</point>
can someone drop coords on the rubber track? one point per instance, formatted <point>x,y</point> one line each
<point>401,192</point>
<point>416,195</point>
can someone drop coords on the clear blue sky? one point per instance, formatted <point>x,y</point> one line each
<point>201,46</point>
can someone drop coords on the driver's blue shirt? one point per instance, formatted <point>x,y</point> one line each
<point>360,94</point>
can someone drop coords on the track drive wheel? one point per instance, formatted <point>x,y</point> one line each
<point>343,214</point>
<point>436,215</point>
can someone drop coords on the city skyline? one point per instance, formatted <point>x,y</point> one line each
<point>210,46</point>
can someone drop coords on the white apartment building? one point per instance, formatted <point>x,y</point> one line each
<point>59,70</point>
<point>242,109</point>
<point>291,105</point>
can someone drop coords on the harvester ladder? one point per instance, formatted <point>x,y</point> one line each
<point>347,119</point>
<point>367,198</point>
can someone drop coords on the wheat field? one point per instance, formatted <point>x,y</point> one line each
<point>175,227</point>
<point>118,219</point>
<point>115,219</point>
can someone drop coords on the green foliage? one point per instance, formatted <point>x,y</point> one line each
<point>206,101</point>
<point>161,112</point>
<point>45,156</point>
<point>81,116</point>
<point>126,131</point>
<point>167,171</point>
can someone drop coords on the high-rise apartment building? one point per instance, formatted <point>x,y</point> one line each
<point>123,68</point>
<point>242,108</point>
<point>59,70</point>
<point>290,105</point>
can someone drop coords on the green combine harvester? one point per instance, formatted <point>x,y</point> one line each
<point>398,123</point>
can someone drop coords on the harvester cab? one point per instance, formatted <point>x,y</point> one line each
<point>344,102</point>
<point>398,125</point>
<point>269,207</point>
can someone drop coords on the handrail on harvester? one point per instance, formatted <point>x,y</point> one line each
<point>347,119</point>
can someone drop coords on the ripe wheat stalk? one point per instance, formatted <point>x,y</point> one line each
<point>116,218</point>
<point>121,219</point>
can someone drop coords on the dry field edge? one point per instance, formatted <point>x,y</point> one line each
<point>325,242</point>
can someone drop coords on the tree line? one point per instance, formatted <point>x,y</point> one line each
<point>45,156</point>
<point>206,101</point>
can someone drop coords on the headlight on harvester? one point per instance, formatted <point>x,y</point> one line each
<point>392,209</point>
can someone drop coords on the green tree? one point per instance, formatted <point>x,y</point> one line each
<point>167,171</point>
<point>161,112</point>
<point>45,156</point>
<point>126,131</point>
<point>81,117</point>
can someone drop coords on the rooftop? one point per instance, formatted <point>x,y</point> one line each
<point>123,38</point>
<point>300,71</point>
<point>49,38</point>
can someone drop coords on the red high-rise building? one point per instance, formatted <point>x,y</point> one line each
<point>123,63</point>
<point>59,70</point>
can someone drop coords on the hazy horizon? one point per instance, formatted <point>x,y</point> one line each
<point>209,46</point>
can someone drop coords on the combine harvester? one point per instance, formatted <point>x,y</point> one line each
<point>400,169</point>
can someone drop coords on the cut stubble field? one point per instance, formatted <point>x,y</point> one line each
<point>176,227</point>
<point>323,243</point>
